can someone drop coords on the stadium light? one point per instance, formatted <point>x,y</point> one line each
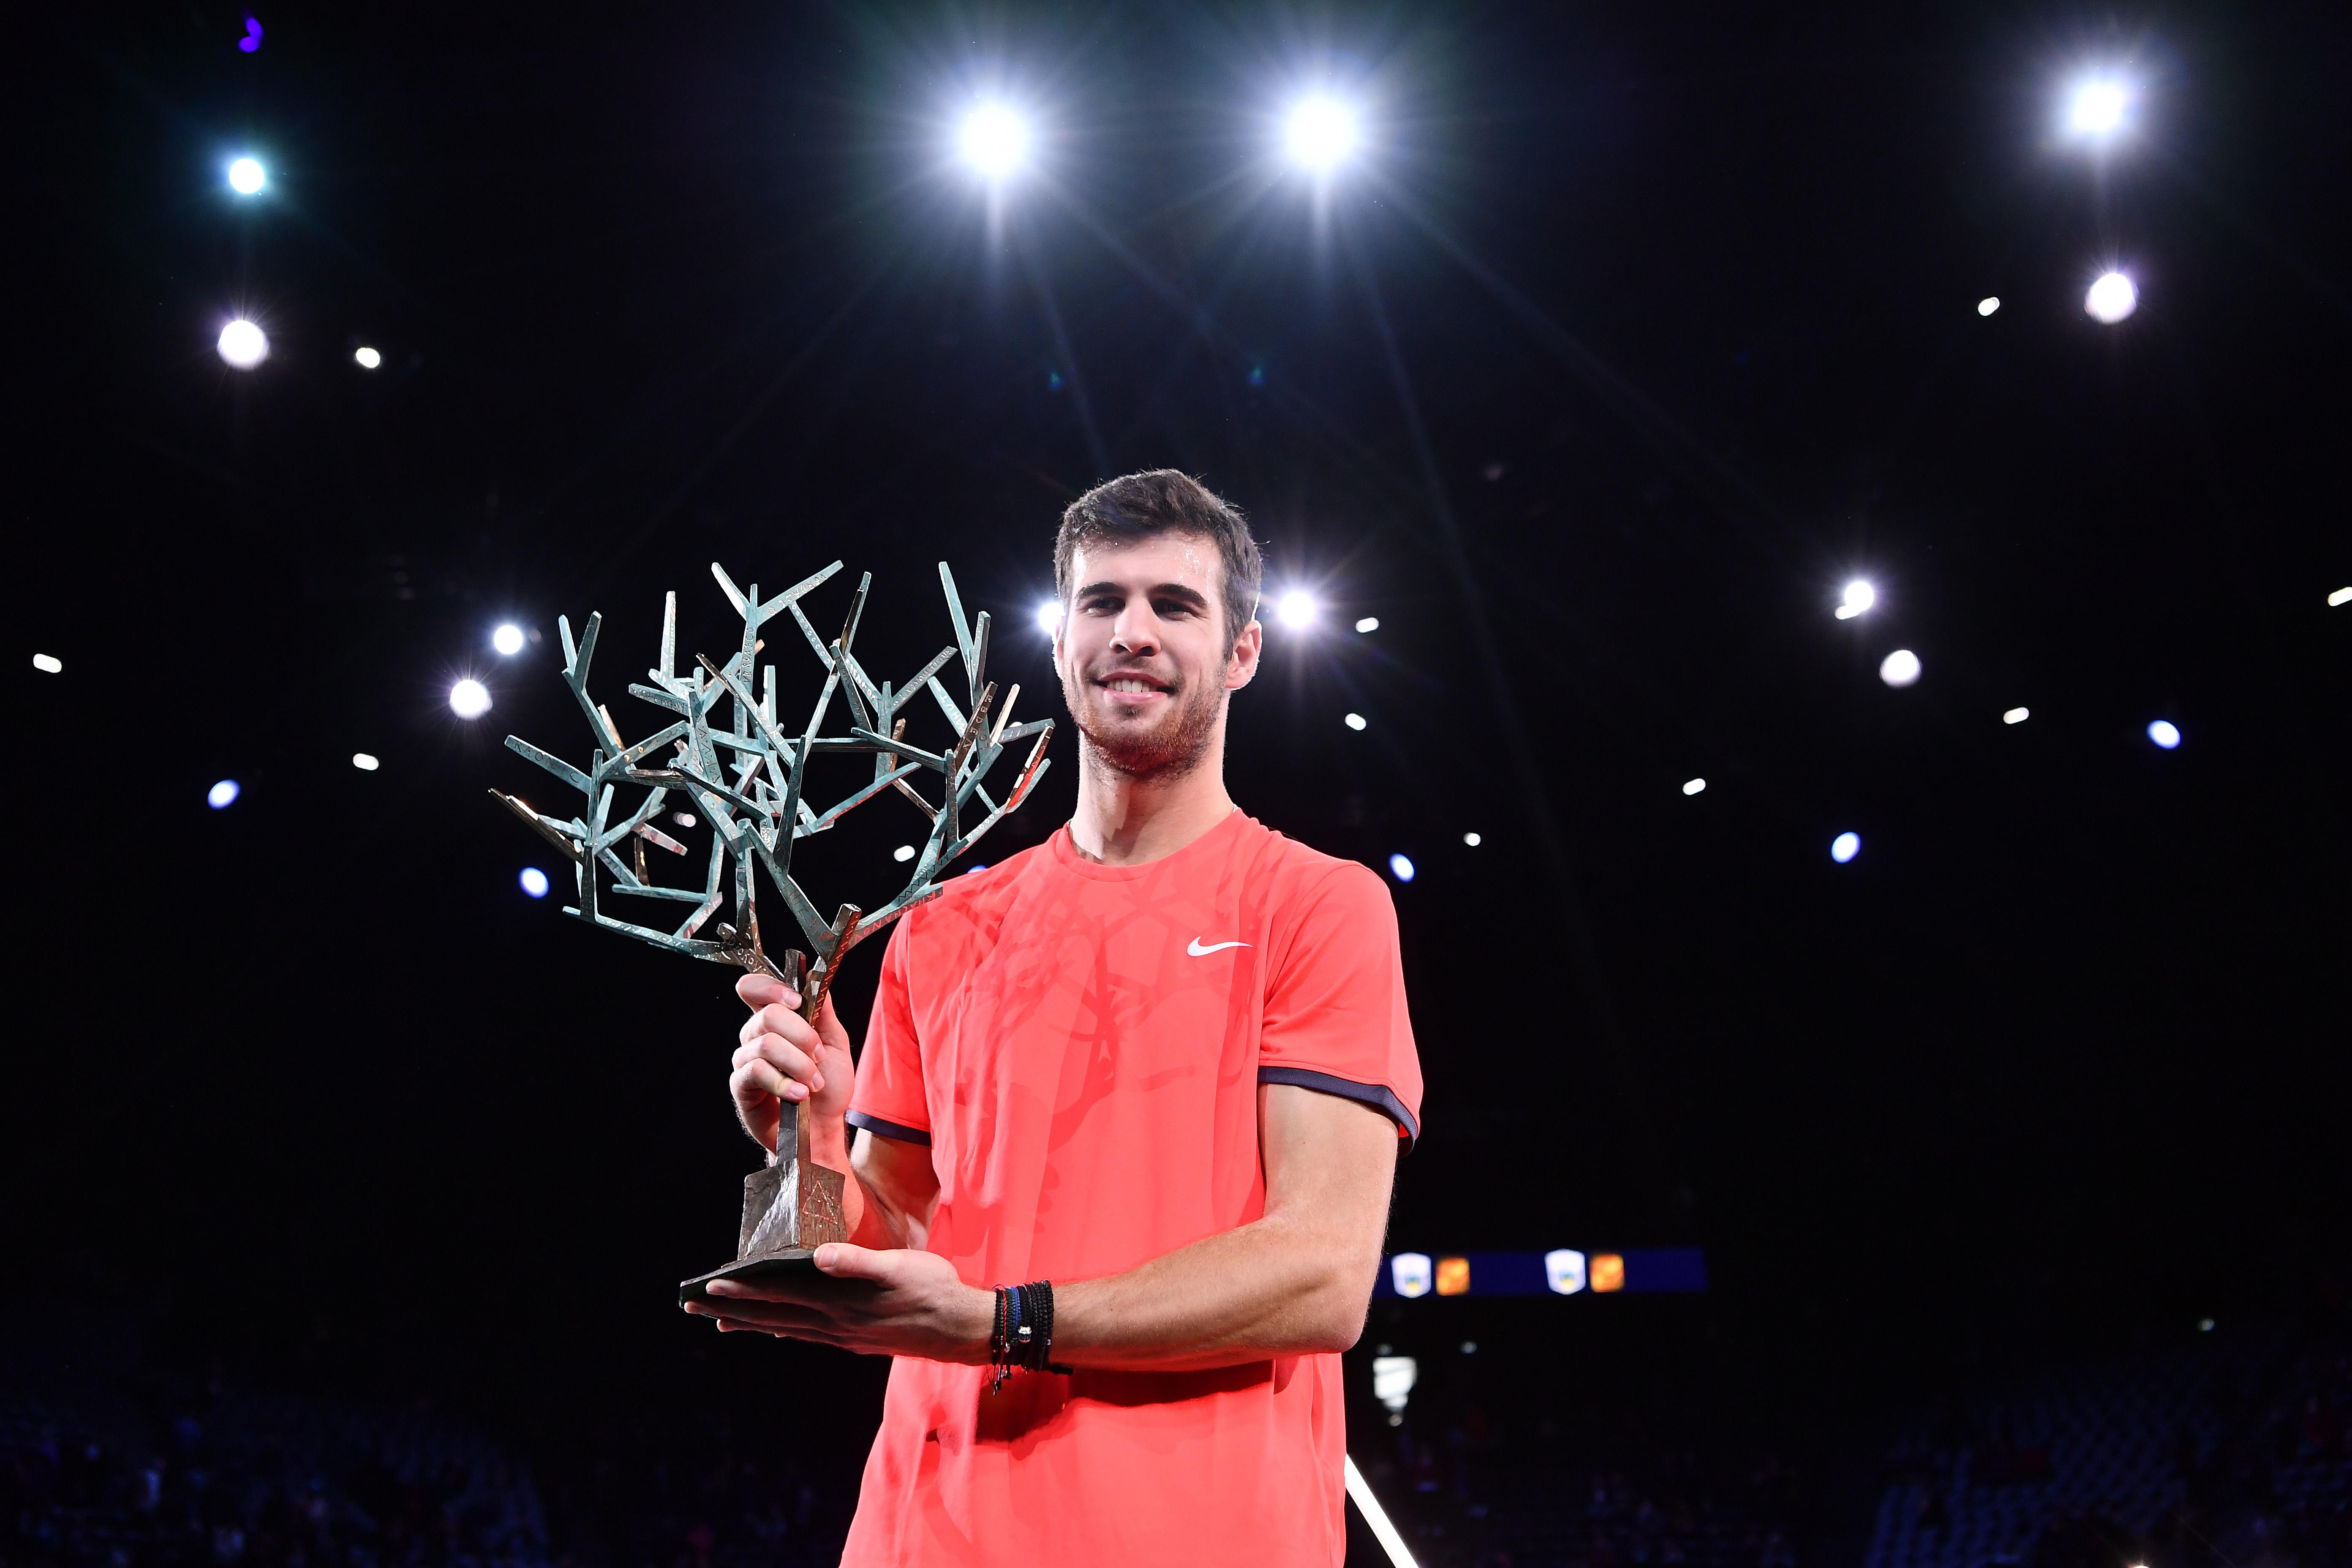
<point>1373,623</point>
<point>1321,134</point>
<point>1354,720</point>
<point>2111,299</point>
<point>366,357</point>
<point>2017,715</point>
<point>1900,667</point>
<point>2097,108</point>
<point>1988,305</point>
<point>1049,617</point>
<point>2341,596</point>
<point>534,882</point>
<point>242,344</point>
<point>246,176</point>
<point>1845,847</point>
<point>49,663</point>
<point>993,141</point>
<point>2165,733</point>
<point>1859,597</point>
<point>904,853</point>
<point>508,639</point>
<point>1400,867</point>
<point>365,761</point>
<point>1695,786</point>
<point>221,796</point>
<point>1473,839</point>
<point>1296,609</point>
<point>469,699</point>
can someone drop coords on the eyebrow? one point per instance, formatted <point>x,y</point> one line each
<point>1190,596</point>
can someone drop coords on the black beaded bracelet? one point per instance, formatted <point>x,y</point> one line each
<point>1023,1335</point>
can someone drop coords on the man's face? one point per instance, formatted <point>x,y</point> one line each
<point>1142,654</point>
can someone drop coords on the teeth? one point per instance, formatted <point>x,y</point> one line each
<point>1130,685</point>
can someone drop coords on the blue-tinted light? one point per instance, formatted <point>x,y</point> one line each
<point>2164,733</point>
<point>221,796</point>
<point>1845,847</point>
<point>1400,868</point>
<point>534,882</point>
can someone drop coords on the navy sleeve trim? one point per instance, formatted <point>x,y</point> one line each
<point>881,1129</point>
<point>1378,1096</point>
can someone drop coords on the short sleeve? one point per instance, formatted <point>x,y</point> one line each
<point>1335,1010</point>
<point>888,1102</point>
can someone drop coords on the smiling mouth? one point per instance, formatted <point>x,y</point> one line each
<point>1129,684</point>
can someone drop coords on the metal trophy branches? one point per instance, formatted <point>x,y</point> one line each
<point>748,781</point>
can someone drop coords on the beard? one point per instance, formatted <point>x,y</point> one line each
<point>1167,749</point>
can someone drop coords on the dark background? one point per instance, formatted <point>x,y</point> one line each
<point>1684,299</point>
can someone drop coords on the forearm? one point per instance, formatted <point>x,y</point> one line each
<point>1275,1287</point>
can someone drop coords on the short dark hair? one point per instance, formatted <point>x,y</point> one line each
<point>1163,500</point>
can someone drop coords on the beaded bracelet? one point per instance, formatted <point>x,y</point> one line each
<point>1022,1335</point>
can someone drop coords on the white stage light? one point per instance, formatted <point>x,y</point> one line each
<point>2341,596</point>
<point>534,882</point>
<point>1400,868</point>
<point>1988,305</point>
<point>1321,134</point>
<point>47,663</point>
<point>1845,847</point>
<point>1859,597</point>
<point>1354,720</point>
<point>508,639</point>
<point>242,344</point>
<point>1373,623</point>
<point>1694,786</point>
<point>2016,715</point>
<point>365,762</point>
<point>469,699</point>
<point>2111,299</point>
<point>2097,108</point>
<point>993,141</point>
<point>1900,667</point>
<point>1049,616</point>
<point>904,853</point>
<point>1472,839</point>
<point>368,358</point>
<point>1296,609</point>
<point>221,796</point>
<point>246,176</point>
<point>2165,733</point>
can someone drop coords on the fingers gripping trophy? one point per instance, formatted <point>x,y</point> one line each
<point>748,780</point>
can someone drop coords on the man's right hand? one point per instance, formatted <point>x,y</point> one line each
<point>784,1059</point>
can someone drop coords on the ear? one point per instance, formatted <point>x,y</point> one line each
<point>1241,669</point>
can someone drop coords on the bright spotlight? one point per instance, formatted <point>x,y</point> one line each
<point>2111,299</point>
<point>904,853</point>
<point>469,699</point>
<point>1373,623</point>
<point>1296,609</point>
<point>366,357</point>
<point>2097,108</point>
<point>221,796</point>
<point>2341,596</point>
<point>534,882</point>
<point>2017,715</point>
<point>993,141</point>
<point>2165,733</point>
<point>1988,305</point>
<point>1694,786</point>
<point>1400,868</point>
<point>1321,134</point>
<point>365,763</point>
<point>246,176</point>
<point>1859,597</point>
<point>47,663</point>
<point>1845,847</point>
<point>1049,617</point>
<point>1473,840</point>
<point>242,344</point>
<point>508,639</point>
<point>1900,667</point>
<point>1354,720</point>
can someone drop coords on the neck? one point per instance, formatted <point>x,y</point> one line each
<point>1124,820</point>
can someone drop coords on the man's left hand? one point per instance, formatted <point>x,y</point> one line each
<point>917,1306</point>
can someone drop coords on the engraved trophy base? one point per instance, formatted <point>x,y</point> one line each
<point>790,1209</point>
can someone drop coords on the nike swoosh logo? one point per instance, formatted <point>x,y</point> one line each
<point>1197,951</point>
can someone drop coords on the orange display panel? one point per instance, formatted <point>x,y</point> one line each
<point>1608,1272</point>
<point>1453,1276</point>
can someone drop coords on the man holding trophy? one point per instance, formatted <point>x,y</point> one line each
<point>1121,1138</point>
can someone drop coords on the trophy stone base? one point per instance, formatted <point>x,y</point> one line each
<point>790,1209</point>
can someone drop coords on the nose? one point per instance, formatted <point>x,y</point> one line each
<point>1137,630</point>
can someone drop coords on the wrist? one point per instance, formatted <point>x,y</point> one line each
<point>828,1138</point>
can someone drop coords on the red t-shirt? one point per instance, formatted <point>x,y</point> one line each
<point>1081,1047</point>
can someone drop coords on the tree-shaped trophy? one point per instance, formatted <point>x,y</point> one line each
<point>748,780</point>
